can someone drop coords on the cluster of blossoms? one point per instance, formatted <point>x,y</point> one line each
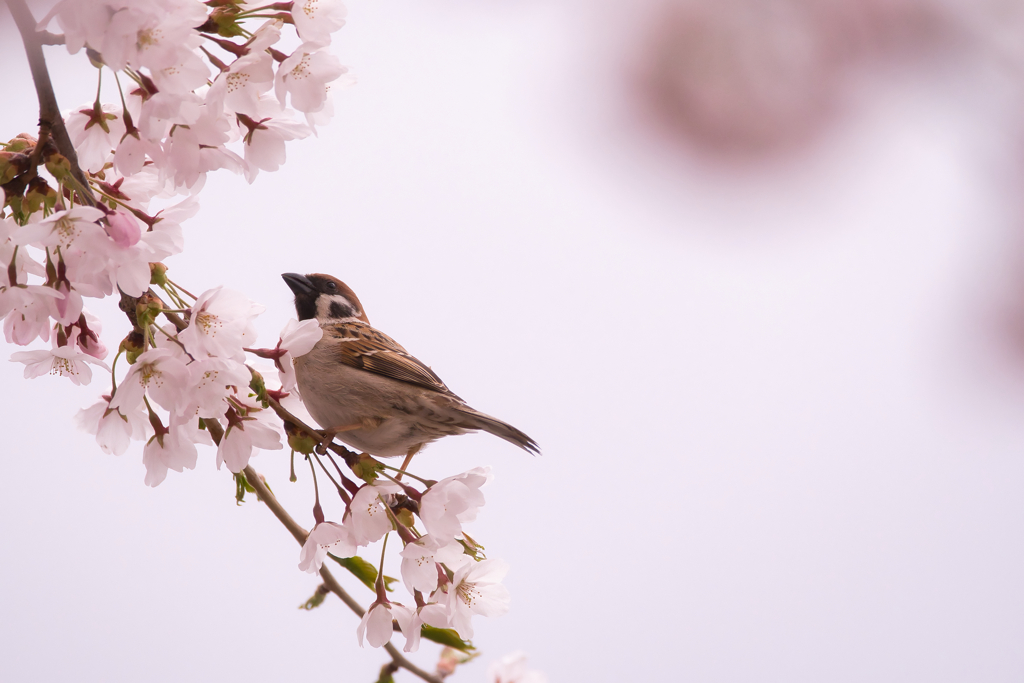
<point>206,92</point>
<point>442,568</point>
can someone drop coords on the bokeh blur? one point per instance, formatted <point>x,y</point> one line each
<point>750,271</point>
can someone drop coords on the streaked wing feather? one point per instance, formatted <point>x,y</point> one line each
<point>363,347</point>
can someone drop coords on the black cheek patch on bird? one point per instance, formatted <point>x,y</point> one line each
<point>340,310</point>
<point>305,307</point>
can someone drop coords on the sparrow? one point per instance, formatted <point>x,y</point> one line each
<point>364,388</point>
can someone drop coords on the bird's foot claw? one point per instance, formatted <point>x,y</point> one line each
<point>328,438</point>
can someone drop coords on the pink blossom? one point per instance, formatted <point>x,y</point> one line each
<point>420,560</point>
<point>475,589</point>
<point>512,669</point>
<point>158,372</point>
<point>114,429</point>
<point>451,502</point>
<point>316,20</point>
<point>173,450</point>
<point>220,324</point>
<point>209,382</point>
<point>326,537</point>
<point>243,438</point>
<point>123,228</point>
<point>366,518</point>
<point>297,339</point>
<point>376,625</point>
<point>264,144</point>
<point>28,312</point>
<point>95,139</point>
<point>305,75</point>
<point>64,361</point>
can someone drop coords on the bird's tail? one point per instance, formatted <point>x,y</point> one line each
<point>477,420</point>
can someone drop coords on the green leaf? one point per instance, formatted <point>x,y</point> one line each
<point>363,570</point>
<point>446,636</point>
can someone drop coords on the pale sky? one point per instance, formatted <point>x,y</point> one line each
<point>780,406</point>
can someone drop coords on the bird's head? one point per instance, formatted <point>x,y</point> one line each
<point>324,297</point>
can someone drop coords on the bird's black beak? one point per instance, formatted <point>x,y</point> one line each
<point>299,284</point>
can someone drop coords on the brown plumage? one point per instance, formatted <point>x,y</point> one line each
<point>363,387</point>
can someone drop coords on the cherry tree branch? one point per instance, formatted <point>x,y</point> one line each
<point>50,121</point>
<point>299,534</point>
<point>264,494</point>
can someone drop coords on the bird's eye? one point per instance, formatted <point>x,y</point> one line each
<point>331,286</point>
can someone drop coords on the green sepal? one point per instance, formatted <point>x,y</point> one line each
<point>363,570</point>
<point>471,548</point>
<point>366,468</point>
<point>259,388</point>
<point>39,195</point>
<point>158,274</point>
<point>316,599</point>
<point>299,440</point>
<point>242,486</point>
<point>19,144</point>
<point>58,166</point>
<point>446,636</point>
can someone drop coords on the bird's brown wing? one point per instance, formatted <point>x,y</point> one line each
<point>361,346</point>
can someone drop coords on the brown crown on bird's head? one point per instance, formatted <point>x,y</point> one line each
<point>324,297</point>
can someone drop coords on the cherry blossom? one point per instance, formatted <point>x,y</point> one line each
<point>95,133</point>
<point>27,311</point>
<point>305,75</point>
<point>152,35</point>
<point>208,385</point>
<point>64,361</point>
<point>174,449</point>
<point>475,589</point>
<point>114,428</point>
<point>367,519</point>
<point>451,502</point>
<point>411,621</point>
<point>326,537</point>
<point>242,84</point>
<point>376,625</point>
<point>245,436</point>
<point>512,669</point>
<point>220,324</point>
<point>316,20</point>
<point>297,339</point>
<point>264,144</point>
<point>420,559</point>
<point>158,372</point>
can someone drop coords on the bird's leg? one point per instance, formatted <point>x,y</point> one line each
<point>329,434</point>
<point>408,459</point>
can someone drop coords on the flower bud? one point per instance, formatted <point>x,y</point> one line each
<point>147,308</point>
<point>299,440</point>
<point>133,345</point>
<point>58,166</point>
<point>158,274</point>
<point>12,164</point>
<point>39,195</point>
<point>366,468</point>
<point>405,517</point>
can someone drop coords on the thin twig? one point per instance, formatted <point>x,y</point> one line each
<point>300,534</point>
<point>49,111</point>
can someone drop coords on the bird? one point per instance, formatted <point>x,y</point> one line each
<point>366,390</point>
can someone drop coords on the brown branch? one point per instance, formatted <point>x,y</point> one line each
<point>49,111</point>
<point>265,495</point>
<point>300,534</point>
